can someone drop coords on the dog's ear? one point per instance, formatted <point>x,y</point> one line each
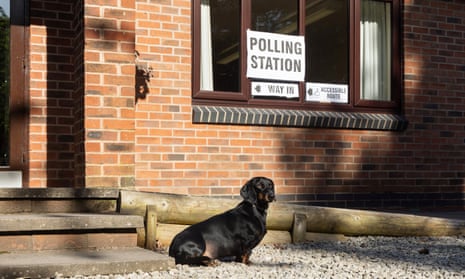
<point>248,192</point>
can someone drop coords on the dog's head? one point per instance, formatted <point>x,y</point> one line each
<point>259,190</point>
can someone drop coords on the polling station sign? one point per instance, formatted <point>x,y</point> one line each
<point>275,56</point>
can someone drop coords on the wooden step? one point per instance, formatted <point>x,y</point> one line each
<point>54,232</point>
<point>67,221</point>
<point>42,200</point>
<point>57,231</point>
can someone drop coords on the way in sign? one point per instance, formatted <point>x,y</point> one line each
<point>282,90</point>
<point>279,89</point>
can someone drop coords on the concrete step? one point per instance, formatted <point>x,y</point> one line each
<point>46,264</point>
<point>44,233</point>
<point>57,231</point>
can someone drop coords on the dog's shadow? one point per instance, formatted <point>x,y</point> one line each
<point>272,264</point>
<point>264,263</point>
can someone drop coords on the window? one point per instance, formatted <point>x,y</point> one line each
<point>352,60</point>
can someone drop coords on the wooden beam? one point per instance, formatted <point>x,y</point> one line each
<point>187,210</point>
<point>166,233</point>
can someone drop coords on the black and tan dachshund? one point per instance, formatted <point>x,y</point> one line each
<point>230,235</point>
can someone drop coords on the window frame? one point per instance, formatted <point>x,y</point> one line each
<point>394,104</point>
<point>356,104</point>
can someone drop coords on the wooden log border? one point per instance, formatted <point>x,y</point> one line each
<point>166,214</point>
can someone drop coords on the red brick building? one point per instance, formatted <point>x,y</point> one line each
<point>157,95</point>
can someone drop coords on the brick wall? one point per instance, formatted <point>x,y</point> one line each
<point>140,134</point>
<point>109,93</point>
<point>434,81</point>
<point>51,73</point>
<point>165,138</point>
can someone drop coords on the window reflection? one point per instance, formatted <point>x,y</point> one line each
<point>327,41</point>
<point>220,47</point>
<point>275,16</point>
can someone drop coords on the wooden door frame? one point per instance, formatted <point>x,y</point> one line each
<point>19,88</point>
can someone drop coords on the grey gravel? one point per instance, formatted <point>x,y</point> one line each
<point>356,257</point>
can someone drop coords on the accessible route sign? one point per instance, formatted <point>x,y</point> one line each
<point>275,56</point>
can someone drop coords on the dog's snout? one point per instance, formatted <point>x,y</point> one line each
<point>271,197</point>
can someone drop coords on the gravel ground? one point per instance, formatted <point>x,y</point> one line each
<point>356,257</point>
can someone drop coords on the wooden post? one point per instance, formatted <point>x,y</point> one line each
<point>151,228</point>
<point>299,228</point>
<point>140,237</point>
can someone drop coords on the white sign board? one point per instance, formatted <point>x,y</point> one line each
<point>327,92</point>
<point>272,89</point>
<point>275,56</point>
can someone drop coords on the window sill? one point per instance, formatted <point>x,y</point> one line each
<point>297,118</point>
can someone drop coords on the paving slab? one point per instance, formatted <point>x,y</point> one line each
<point>48,264</point>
